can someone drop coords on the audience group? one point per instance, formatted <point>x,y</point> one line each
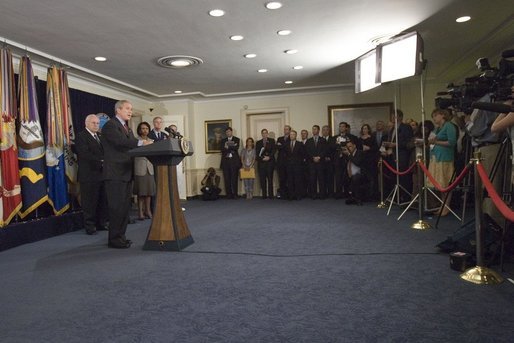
<point>319,165</point>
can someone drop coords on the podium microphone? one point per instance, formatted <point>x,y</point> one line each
<point>493,107</point>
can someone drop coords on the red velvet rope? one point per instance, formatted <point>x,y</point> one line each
<point>397,172</point>
<point>498,202</point>
<point>437,185</point>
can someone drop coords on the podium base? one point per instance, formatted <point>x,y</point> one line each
<point>176,245</point>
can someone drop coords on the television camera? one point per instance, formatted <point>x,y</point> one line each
<point>496,81</point>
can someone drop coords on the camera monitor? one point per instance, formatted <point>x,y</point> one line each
<point>366,72</point>
<point>399,58</point>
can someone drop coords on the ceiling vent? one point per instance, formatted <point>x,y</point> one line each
<point>178,61</point>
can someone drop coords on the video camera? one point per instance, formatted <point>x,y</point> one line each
<point>496,81</point>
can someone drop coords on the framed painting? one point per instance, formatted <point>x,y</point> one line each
<point>357,115</point>
<point>214,133</point>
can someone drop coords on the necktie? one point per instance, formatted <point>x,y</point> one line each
<point>158,135</point>
<point>316,141</point>
<point>97,139</point>
<point>125,126</point>
<point>292,145</point>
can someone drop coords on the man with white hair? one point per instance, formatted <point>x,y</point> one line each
<point>90,155</point>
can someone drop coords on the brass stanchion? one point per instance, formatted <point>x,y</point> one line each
<point>480,274</point>
<point>382,204</point>
<point>420,224</point>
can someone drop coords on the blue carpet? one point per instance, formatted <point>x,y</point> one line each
<point>259,271</point>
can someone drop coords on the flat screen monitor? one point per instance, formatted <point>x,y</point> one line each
<point>366,72</point>
<point>399,58</point>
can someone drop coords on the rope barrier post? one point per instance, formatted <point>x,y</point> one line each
<point>382,204</point>
<point>480,274</point>
<point>420,224</point>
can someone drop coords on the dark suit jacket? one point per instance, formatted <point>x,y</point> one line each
<point>118,165</point>
<point>296,156</point>
<point>378,141</point>
<point>234,150</point>
<point>90,157</point>
<point>313,150</point>
<point>152,135</point>
<point>269,150</point>
<point>282,145</point>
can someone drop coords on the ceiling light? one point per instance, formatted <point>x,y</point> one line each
<point>178,61</point>
<point>100,59</point>
<point>216,13</point>
<point>284,32</point>
<point>291,51</point>
<point>288,82</point>
<point>297,67</point>
<point>236,37</point>
<point>250,55</point>
<point>463,19</point>
<point>273,5</point>
<point>177,92</point>
<point>262,70</point>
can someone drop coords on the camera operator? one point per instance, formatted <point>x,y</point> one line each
<point>505,121</point>
<point>210,183</point>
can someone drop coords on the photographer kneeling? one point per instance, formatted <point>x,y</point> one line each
<point>356,173</point>
<point>211,183</point>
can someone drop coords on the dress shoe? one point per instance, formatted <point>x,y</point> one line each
<point>131,221</point>
<point>141,218</point>
<point>118,245</point>
<point>102,228</point>
<point>350,202</point>
<point>91,232</point>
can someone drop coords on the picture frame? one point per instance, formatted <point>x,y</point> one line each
<point>214,133</point>
<point>358,114</point>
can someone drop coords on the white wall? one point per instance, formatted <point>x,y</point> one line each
<point>304,110</point>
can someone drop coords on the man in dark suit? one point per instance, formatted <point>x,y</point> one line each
<point>282,144</point>
<point>230,162</point>
<point>356,174</point>
<point>328,161</point>
<point>118,139</point>
<point>295,156</point>
<point>265,150</point>
<point>90,155</point>
<point>316,148</point>
<point>157,134</point>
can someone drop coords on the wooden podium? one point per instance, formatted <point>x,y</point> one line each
<point>168,230</point>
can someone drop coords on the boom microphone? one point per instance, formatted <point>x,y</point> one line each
<point>493,107</point>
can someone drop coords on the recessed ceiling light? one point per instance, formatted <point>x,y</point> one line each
<point>262,70</point>
<point>216,13</point>
<point>273,5</point>
<point>284,32</point>
<point>100,59</point>
<point>291,51</point>
<point>177,92</point>
<point>236,37</point>
<point>463,19</point>
<point>288,82</point>
<point>178,61</point>
<point>250,55</point>
<point>297,67</point>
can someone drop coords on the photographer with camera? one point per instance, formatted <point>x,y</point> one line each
<point>504,122</point>
<point>211,183</point>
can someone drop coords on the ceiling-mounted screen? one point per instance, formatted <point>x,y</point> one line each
<point>366,72</point>
<point>400,58</point>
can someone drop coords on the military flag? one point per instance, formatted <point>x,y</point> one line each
<point>55,136</point>
<point>70,158</point>
<point>10,190</point>
<point>31,145</point>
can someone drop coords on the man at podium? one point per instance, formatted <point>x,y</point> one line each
<point>118,139</point>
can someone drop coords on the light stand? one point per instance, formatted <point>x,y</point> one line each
<point>395,193</point>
